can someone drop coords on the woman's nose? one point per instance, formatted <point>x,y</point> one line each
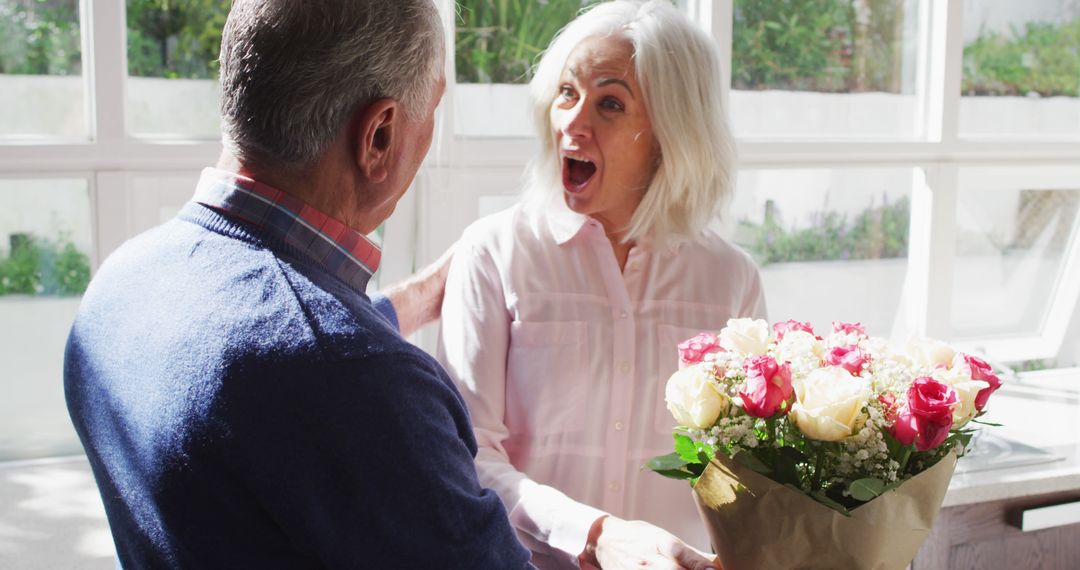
<point>575,122</point>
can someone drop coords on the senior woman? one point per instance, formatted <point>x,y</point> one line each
<point>562,314</point>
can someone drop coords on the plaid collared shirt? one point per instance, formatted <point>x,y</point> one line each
<point>343,251</point>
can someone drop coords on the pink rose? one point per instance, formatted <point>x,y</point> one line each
<point>848,328</point>
<point>788,326</point>
<point>980,370</point>
<point>927,416</point>
<point>849,358</point>
<point>767,386</point>
<point>693,350</point>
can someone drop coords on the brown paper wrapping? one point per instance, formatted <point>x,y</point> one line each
<point>756,523</point>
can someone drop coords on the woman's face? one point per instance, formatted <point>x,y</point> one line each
<point>602,132</point>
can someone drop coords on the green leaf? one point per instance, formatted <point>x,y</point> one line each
<point>751,461</point>
<point>677,474</point>
<point>697,468</point>
<point>667,462</point>
<point>866,489</point>
<point>787,461</point>
<point>685,448</point>
<point>793,454</point>
<point>982,423</point>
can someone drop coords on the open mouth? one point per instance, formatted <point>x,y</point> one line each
<point>577,172</point>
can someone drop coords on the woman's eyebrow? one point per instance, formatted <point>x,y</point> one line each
<point>616,80</point>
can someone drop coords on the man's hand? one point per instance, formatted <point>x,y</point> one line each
<point>615,543</point>
<point>418,299</point>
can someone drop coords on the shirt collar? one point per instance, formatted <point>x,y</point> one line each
<point>563,222</point>
<point>339,249</point>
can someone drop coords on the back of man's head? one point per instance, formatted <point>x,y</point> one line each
<point>292,73</point>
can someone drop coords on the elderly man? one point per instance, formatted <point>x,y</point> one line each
<point>242,401</point>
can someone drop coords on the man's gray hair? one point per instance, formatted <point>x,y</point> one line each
<point>292,72</point>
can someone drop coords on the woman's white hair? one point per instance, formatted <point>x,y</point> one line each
<point>678,67</point>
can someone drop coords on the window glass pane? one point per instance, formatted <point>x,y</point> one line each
<point>41,88</point>
<point>825,68</point>
<point>496,44</point>
<point>1012,238</point>
<point>44,269</point>
<point>1021,69</point>
<point>172,63</point>
<point>831,244</point>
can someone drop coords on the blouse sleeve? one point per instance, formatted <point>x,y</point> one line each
<point>473,346</point>
<point>754,298</point>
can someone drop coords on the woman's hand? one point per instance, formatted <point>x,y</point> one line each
<point>418,299</point>
<point>615,543</point>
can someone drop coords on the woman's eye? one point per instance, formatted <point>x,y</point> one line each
<point>566,92</point>
<point>611,104</point>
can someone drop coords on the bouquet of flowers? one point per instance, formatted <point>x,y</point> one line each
<point>839,448</point>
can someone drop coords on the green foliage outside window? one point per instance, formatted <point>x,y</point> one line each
<point>175,38</point>
<point>815,45</point>
<point>39,266</point>
<point>818,45</point>
<point>1038,58</point>
<point>876,233</point>
<point>498,41</point>
<point>39,37</point>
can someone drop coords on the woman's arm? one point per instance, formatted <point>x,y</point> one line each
<point>473,346</point>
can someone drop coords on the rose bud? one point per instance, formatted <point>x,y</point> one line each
<point>927,416</point>
<point>980,370</point>
<point>829,404</point>
<point>693,350</point>
<point>849,358</point>
<point>694,399</point>
<point>780,329</point>
<point>848,328</point>
<point>767,386</point>
<point>747,337</point>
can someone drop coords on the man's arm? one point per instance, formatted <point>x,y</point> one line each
<point>417,301</point>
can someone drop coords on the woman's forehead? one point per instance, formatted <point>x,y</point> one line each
<point>609,55</point>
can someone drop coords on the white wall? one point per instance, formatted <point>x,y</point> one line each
<point>33,415</point>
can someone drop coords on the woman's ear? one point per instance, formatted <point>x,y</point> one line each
<point>375,133</point>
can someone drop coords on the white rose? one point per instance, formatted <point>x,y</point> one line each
<point>799,345</point>
<point>930,353</point>
<point>694,399</point>
<point>958,376</point>
<point>829,403</point>
<point>749,337</point>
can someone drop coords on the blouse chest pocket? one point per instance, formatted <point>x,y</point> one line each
<point>668,338</point>
<point>546,370</point>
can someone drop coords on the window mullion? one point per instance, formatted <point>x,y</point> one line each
<point>928,291</point>
<point>105,59</point>
<point>717,18</point>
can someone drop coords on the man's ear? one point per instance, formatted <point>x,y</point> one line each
<point>375,132</point>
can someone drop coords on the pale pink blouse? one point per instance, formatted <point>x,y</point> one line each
<point>563,360</point>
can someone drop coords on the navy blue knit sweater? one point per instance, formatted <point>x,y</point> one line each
<point>243,408</point>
